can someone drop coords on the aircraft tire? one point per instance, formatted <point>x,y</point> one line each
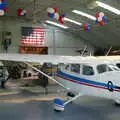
<point>70,94</point>
<point>110,86</point>
<point>117,103</point>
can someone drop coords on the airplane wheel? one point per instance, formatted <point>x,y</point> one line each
<point>110,86</point>
<point>117,103</point>
<point>70,95</point>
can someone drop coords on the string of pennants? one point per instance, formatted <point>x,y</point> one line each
<point>101,19</point>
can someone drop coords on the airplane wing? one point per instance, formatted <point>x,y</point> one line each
<point>27,58</point>
<point>38,58</point>
<point>32,58</point>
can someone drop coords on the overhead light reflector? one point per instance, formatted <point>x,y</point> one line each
<point>72,21</point>
<point>84,14</point>
<point>56,24</point>
<point>108,7</point>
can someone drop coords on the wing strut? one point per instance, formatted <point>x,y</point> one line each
<point>51,78</point>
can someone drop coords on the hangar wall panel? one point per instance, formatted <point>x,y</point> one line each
<point>58,41</point>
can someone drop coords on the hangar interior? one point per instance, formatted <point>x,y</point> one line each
<point>99,38</point>
<point>55,27</point>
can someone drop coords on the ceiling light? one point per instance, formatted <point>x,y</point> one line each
<point>56,24</point>
<point>108,7</point>
<point>72,21</point>
<point>84,14</point>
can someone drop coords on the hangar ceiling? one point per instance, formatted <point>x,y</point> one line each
<point>100,37</point>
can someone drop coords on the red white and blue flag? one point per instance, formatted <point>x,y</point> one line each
<point>33,36</point>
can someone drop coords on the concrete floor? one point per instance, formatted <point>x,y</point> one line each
<point>28,104</point>
<point>42,110</point>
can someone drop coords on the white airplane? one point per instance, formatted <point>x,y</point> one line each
<point>91,76</point>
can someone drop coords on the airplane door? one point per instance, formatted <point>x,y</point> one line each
<point>91,78</point>
<point>106,80</point>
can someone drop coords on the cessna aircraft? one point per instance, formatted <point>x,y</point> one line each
<point>92,76</point>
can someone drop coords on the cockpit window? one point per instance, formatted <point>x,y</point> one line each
<point>87,70</point>
<point>75,68</point>
<point>118,65</point>
<point>103,68</point>
<point>114,67</point>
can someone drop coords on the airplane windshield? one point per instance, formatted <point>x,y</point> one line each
<point>113,67</point>
<point>118,65</point>
<point>103,68</point>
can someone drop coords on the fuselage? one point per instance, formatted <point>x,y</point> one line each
<point>94,79</point>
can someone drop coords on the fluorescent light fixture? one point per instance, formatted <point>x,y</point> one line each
<point>72,21</point>
<point>56,24</point>
<point>108,7</point>
<point>84,14</point>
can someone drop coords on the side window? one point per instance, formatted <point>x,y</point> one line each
<point>75,68</point>
<point>67,67</point>
<point>103,68</point>
<point>88,70</point>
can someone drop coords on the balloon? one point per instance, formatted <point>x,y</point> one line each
<point>3,5</point>
<point>55,10</point>
<point>51,10</point>
<point>97,15</point>
<point>61,20</point>
<point>96,21</point>
<point>104,18</point>
<point>19,11</point>
<point>24,11</point>
<point>85,26</point>
<point>101,14</point>
<point>99,19</point>
<point>52,15</point>
<point>89,28</point>
<point>48,9</point>
<point>48,14</point>
<point>56,16</point>
<point>2,12</point>
<point>102,23</point>
<point>63,15</point>
<point>5,9</point>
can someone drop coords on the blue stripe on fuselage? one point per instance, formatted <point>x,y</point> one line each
<point>82,80</point>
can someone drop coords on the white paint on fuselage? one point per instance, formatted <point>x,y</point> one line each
<point>113,76</point>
